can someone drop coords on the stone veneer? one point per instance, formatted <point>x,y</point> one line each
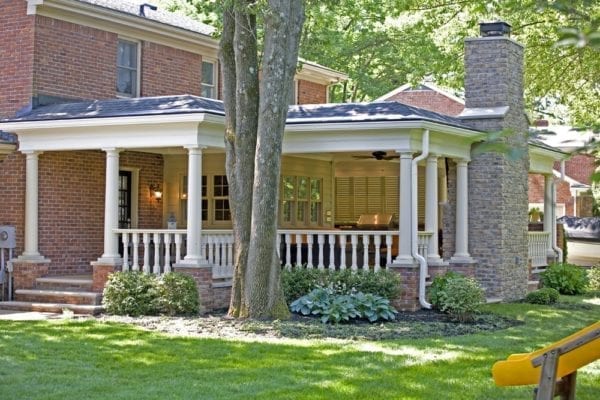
<point>497,184</point>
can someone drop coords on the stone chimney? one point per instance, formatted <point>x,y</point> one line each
<point>498,201</point>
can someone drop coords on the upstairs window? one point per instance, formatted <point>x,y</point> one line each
<point>127,68</point>
<point>209,87</point>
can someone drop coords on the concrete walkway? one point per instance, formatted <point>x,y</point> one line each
<point>29,315</point>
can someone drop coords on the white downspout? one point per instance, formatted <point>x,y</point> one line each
<point>557,249</point>
<point>415,216</point>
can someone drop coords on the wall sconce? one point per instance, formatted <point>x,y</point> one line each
<point>156,191</point>
<point>184,196</point>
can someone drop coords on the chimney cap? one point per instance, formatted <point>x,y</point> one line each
<point>499,28</point>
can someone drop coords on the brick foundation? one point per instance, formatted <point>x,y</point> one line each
<point>25,273</point>
<point>409,287</point>
<point>203,277</point>
<point>100,273</point>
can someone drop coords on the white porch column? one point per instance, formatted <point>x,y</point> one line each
<point>194,207</point>
<point>431,209</point>
<point>461,254</point>
<point>404,214</point>
<point>31,251</point>
<point>111,209</point>
<point>550,211</point>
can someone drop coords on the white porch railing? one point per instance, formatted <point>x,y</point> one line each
<point>157,250</point>
<point>538,248</point>
<point>341,249</point>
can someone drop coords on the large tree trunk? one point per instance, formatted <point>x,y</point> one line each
<point>239,60</point>
<point>253,139</point>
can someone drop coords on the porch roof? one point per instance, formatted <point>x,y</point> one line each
<point>188,104</point>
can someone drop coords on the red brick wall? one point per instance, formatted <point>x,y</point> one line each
<point>580,167</point>
<point>311,93</point>
<point>429,100</point>
<point>12,194</point>
<point>73,60</point>
<point>151,172</point>
<point>71,203</point>
<point>563,192</point>
<point>167,71</point>
<point>16,56</point>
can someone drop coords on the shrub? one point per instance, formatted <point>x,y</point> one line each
<point>543,296</point>
<point>439,285</point>
<point>461,298</point>
<point>178,294</point>
<point>301,281</point>
<point>335,307</point>
<point>566,278</point>
<point>131,293</point>
<point>136,293</point>
<point>593,275</point>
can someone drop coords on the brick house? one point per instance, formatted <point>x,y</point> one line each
<point>119,164</point>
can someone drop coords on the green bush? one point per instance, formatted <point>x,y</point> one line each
<point>543,296</point>
<point>334,307</point>
<point>566,278</point>
<point>439,285</point>
<point>131,293</point>
<point>136,293</point>
<point>593,275</point>
<point>301,281</point>
<point>461,298</point>
<point>178,294</point>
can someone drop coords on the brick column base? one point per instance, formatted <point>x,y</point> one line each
<point>100,273</point>
<point>203,277</point>
<point>466,269</point>
<point>409,287</point>
<point>25,273</point>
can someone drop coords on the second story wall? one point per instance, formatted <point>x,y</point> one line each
<point>73,61</point>
<point>16,60</point>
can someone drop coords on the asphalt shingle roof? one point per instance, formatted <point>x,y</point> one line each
<point>6,137</point>
<point>183,104</point>
<point>165,17</point>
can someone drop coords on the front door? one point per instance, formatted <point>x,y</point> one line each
<point>124,199</point>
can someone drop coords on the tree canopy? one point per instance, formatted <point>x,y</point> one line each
<point>384,44</point>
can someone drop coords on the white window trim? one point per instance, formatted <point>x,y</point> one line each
<point>138,75</point>
<point>215,84</point>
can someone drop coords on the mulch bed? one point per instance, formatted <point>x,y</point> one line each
<point>418,325</point>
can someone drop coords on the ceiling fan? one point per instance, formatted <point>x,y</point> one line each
<point>377,155</point>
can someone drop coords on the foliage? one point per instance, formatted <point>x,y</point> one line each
<point>178,294</point>
<point>543,296</point>
<point>335,307</point>
<point>439,285</point>
<point>298,282</point>
<point>461,298</point>
<point>131,293</point>
<point>593,275</point>
<point>566,278</point>
<point>137,293</point>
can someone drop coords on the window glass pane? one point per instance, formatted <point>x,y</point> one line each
<point>301,214</point>
<point>204,210</point>
<point>286,211</point>
<point>204,184</point>
<point>127,67</point>
<point>124,81</point>
<point>221,187</point>
<point>289,183</point>
<point>302,188</point>
<point>315,213</point>
<point>315,190</point>
<point>208,92</point>
<point>222,210</point>
<point>208,74</point>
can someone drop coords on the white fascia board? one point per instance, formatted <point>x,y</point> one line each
<point>319,74</point>
<point>125,24</point>
<point>555,155</point>
<point>541,159</point>
<point>568,179</point>
<point>18,126</point>
<point>483,112</point>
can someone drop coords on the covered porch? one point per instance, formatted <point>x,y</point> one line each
<point>340,161</point>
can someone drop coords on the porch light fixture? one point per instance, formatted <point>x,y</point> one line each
<point>156,191</point>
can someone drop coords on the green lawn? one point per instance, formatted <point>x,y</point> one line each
<point>72,359</point>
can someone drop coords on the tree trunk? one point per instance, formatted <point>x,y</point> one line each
<point>239,60</point>
<point>253,138</point>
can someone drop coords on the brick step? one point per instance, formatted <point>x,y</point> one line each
<point>75,283</point>
<point>533,286</point>
<point>58,296</point>
<point>50,307</point>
